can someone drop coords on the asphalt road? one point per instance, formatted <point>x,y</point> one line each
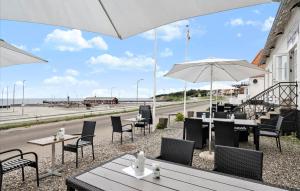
<point>18,137</point>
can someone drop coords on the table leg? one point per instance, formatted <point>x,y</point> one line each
<point>256,137</point>
<point>52,171</point>
<point>169,121</point>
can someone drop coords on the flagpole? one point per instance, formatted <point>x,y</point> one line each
<point>154,79</point>
<point>186,59</point>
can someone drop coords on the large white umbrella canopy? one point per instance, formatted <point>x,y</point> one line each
<point>11,55</point>
<point>209,70</point>
<point>118,18</point>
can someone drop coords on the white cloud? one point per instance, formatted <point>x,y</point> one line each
<point>166,53</point>
<point>69,79</point>
<point>101,92</point>
<point>256,11</point>
<point>263,25</point>
<point>168,32</point>
<point>126,62</point>
<point>72,40</point>
<point>19,83</point>
<point>36,49</point>
<point>236,22</point>
<point>72,72</point>
<point>239,35</point>
<point>267,25</point>
<point>21,46</point>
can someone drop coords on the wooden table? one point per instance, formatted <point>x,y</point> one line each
<point>239,123</point>
<point>110,176</point>
<point>50,141</point>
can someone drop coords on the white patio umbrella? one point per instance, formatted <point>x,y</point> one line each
<point>210,70</point>
<point>11,55</point>
<point>117,18</point>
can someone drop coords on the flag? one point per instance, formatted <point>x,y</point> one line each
<point>188,37</point>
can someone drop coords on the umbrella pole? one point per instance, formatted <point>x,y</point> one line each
<point>210,108</point>
<point>154,80</point>
<point>184,101</point>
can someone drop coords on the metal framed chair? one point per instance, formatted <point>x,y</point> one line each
<point>16,162</point>
<point>145,111</point>
<point>119,128</point>
<point>199,114</point>
<point>243,131</point>
<point>272,131</point>
<point>222,115</point>
<point>86,139</point>
<point>225,134</point>
<point>239,162</point>
<point>195,131</point>
<point>177,151</point>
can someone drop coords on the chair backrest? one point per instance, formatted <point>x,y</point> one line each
<point>220,108</point>
<point>279,122</point>
<point>194,131</point>
<point>222,115</point>
<point>145,111</point>
<point>240,115</point>
<point>239,162</point>
<point>199,114</point>
<point>224,133</point>
<point>87,130</point>
<point>116,123</point>
<point>178,151</point>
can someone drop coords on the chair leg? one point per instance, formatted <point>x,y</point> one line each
<point>276,142</point>
<point>1,177</point>
<point>93,151</point>
<point>23,176</point>
<point>132,136</point>
<point>112,137</point>
<point>121,138</point>
<point>37,175</point>
<point>144,130</point>
<point>81,152</point>
<point>149,128</point>
<point>279,144</point>
<point>62,154</point>
<point>70,188</point>
<point>77,158</point>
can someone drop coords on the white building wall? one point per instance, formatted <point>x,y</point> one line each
<point>255,88</point>
<point>282,48</point>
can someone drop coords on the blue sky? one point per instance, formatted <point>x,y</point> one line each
<point>86,64</point>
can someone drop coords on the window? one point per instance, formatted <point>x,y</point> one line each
<point>281,68</point>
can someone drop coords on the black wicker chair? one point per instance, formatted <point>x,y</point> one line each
<point>199,114</point>
<point>243,131</point>
<point>16,162</point>
<point>119,128</point>
<point>225,134</point>
<point>194,132</point>
<point>239,162</point>
<point>86,139</point>
<point>272,131</point>
<point>222,115</point>
<point>145,111</point>
<point>220,108</point>
<point>177,151</point>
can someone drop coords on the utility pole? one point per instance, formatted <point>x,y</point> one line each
<point>23,97</point>
<point>7,97</point>
<point>13,101</point>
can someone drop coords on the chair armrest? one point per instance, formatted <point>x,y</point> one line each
<point>82,138</point>
<point>11,150</point>
<point>127,125</point>
<point>21,155</point>
<point>76,134</point>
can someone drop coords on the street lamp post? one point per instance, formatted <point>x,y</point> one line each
<point>137,90</point>
<point>23,97</point>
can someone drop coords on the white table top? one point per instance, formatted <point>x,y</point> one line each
<point>134,119</point>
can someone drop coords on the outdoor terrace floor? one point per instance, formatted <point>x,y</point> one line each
<point>279,169</point>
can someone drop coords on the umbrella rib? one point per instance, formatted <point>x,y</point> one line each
<point>110,20</point>
<point>226,72</point>
<point>200,74</point>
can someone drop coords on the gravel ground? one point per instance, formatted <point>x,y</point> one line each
<point>279,169</point>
